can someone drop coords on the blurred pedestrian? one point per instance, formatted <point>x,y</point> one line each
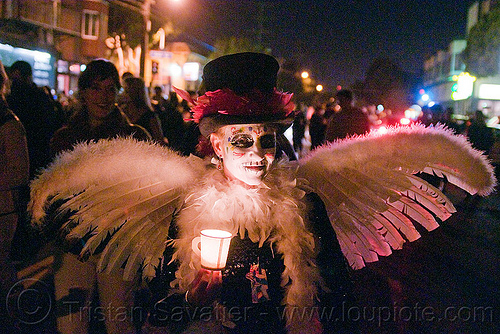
<point>299,130</point>
<point>348,121</point>
<point>479,134</point>
<point>77,283</point>
<point>317,127</point>
<point>177,129</point>
<point>136,104</point>
<point>14,175</point>
<point>36,111</point>
<point>157,100</point>
<point>446,118</point>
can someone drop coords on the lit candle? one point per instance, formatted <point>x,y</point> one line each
<point>213,247</point>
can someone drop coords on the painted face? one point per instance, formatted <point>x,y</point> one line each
<point>247,151</point>
<point>100,98</point>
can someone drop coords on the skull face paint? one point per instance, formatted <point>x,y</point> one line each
<point>247,151</point>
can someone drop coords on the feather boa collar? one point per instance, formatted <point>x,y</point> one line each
<point>273,213</point>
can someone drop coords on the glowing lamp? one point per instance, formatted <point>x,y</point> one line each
<point>404,121</point>
<point>212,246</point>
<point>464,86</point>
<point>382,130</point>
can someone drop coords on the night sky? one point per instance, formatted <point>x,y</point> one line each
<point>335,40</point>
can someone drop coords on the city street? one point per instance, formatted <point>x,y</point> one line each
<point>445,282</point>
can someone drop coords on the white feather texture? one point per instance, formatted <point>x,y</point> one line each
<point>122,188</point>
<point>372,195</point>
<point>123,194</point>
<point>272,213</point>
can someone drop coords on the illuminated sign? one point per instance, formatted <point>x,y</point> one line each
<point>41,63</point>
<point>489,92</point>
<point>191,71</point>
<point>464,86</point>
<point>160,54</point>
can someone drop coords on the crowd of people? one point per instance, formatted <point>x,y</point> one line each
<point>35,129</point>
<point>339,119</point>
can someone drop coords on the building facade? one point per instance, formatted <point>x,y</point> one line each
<point>58,37</point>
<point>447,83</point>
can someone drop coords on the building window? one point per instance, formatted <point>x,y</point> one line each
<point>90,25</point>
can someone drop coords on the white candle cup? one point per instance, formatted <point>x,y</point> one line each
<point>212,246</point>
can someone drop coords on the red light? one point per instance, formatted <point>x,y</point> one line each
<point>421,91</point>
<point>339,87</point>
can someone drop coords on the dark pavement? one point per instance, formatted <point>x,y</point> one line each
<point>446,282</point>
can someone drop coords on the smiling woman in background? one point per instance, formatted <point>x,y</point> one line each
<point>96,116</point>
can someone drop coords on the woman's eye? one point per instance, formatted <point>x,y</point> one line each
<point>242,141</point>
<point>267,141</point>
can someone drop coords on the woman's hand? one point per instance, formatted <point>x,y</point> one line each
<point>205,288</point>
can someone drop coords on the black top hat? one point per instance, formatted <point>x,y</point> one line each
<point>241,72</point>
<point>241,89</point>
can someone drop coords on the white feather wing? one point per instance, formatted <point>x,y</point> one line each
<point>118,197</point>
<point>372,194</point>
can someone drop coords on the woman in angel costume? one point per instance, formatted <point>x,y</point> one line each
<point>138,207</point>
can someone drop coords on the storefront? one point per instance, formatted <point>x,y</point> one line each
<point>42,63</point>
<point>67,76</point>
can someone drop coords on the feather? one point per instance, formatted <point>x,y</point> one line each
<point>429,202</point>
<point>351,254</point>
<point>388,231</point>
<point>434,193</point>
<point>370,189</point>
<point>134,209</point>
<point>122,194</point>
<point>115,257</point>
<point>416,212</point>
<point>402,223</point>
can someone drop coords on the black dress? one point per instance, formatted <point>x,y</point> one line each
<point>266,315</point>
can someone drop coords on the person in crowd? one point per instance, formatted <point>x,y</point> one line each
<point>157,100</point>
<point>136,104</point>
<point>14,176</point>
<point>57,105</point>
<point>317,127</point>
<point>240,138</point>
<point>299,130</point>
<point>176,127</point>
<point>447,120</point>
<point>348,121</point>
<point>479,134</point>
<point>36,111</point>
<point>125,76</point>
<point>144,209</point>
<point>172,122</point>
<point>76,283</point>
<point>96,115</point>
